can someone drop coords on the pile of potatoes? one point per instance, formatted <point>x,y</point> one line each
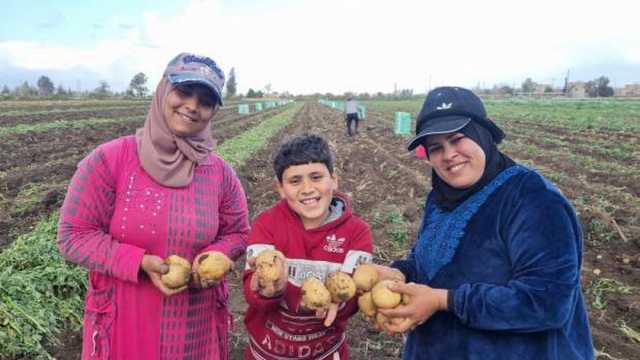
<point>376,295</point>
<point>316,295</point>
<point>212,266</point>
<point>339,287</point>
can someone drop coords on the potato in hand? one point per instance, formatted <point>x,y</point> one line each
<point>214,265</point>
<point>179,272</point>
<point>340,286</point>
<point>315,296</point>
<point>269,267</point>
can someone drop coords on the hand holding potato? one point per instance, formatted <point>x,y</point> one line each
<point>209,268</point>
<point>155,267</point>
<point>269,278</point>
<point>423,302</point>
<point>388,273</point>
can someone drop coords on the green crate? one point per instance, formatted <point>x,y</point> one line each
<point>402,124</point>
<point>243,109</point>
<point>362,112</point>
<point>258,107</point>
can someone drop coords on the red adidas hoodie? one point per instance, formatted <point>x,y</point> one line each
<point>278,327</point>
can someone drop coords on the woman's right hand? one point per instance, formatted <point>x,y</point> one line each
<point>155,267</point>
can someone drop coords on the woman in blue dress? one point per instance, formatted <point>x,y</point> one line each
<point>495,271</point>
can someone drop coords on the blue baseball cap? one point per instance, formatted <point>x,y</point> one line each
<point>189,68</point>
<point>448,109</point>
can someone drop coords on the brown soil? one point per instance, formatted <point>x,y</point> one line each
<point>376,170</point>
<point>49,158</point>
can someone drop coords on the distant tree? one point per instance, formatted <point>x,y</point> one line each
<point>503,90</point>
<point>45,86</point>
<point>254,94</point>
<point>102,91</point>
<point>602,87</point>
<point>61,91</point>
<point>137,86</point>
<point>5,90</point>
<point>406,93</point>
<point>232,86</point>
<point>528,86</point>
<point>25,90</point>
<point>548,89</point>
<point>267,89</point>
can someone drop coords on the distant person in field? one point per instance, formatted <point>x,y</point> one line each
<point>495,270</point>
<point>136,200</point>
<point>315,229</point>
<point>351,115</point>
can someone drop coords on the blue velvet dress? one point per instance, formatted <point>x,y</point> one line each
<point>510,256</point>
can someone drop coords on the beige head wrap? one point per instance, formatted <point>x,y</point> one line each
<point>167,158</point>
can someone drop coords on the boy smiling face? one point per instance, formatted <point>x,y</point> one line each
<point>308,189</point>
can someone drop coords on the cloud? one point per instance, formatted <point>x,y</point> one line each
<point>336,46</point>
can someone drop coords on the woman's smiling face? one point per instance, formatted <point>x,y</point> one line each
<point>458,160</point>
<point>188,110</point>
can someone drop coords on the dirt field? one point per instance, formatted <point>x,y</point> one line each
<point>388,186</point>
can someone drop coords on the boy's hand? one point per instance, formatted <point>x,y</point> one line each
<point>329,315</point>
<point>268,289</point>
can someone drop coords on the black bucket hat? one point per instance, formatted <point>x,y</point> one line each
<point>448,109</point>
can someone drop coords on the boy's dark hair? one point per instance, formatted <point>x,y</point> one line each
<point>303,149</point>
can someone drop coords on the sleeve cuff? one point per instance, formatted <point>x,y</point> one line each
<point>126,262</point>
<point>450,303</point>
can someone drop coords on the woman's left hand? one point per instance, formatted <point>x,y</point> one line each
<point>196,281</point>
<point>423,303</point>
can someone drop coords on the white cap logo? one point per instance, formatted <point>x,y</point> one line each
<point>444,106</point>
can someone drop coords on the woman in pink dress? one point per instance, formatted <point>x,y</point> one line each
<point>140,198</point>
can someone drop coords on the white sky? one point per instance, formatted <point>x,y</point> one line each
<point>362,46</point>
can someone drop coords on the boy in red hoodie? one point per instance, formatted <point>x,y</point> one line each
<point>314,227</point>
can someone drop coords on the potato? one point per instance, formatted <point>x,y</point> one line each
<point>365,276</point>
<point>340,286</point>
<point>179,272</point>
<point>383,297</point>
<point>315,295</point>
<point>269,266</point>
<point>366,305</point>
<point>214,265</point>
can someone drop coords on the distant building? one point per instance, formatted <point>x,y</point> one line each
<point>631,90</point>
<point>577,89</point>
<point>541,89</point>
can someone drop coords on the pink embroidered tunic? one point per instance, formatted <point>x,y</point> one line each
<point>113,214</point>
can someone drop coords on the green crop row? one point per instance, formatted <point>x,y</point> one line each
<point>238,149</point>
<point>64,124</point>
<point>42,295</point>
<point>612,114</point>
<point>30,112</point>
